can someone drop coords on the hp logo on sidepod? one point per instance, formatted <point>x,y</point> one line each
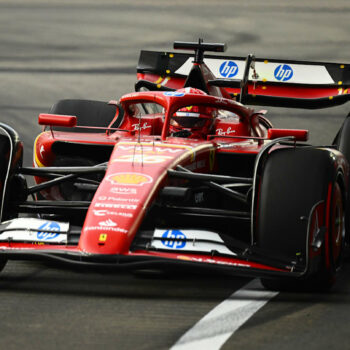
<point>228,69</point>
<point>283,72</point>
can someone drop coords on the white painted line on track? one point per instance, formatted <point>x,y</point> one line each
<point>214,329</point>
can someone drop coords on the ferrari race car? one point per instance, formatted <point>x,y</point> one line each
<point>182,173</point>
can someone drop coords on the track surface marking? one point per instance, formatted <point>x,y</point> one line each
<point>214,329</point>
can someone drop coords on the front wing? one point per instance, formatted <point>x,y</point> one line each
<point>38,239</point>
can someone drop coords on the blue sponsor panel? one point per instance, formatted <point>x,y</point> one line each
<point>174,94</point>
<point>283,72</point>
<point>174,239</point>
<point>228,69</point>
<point>48,226</point>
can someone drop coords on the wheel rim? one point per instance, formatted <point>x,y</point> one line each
<point>337,234</point>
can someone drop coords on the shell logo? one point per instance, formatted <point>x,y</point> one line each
<point>133,179</point>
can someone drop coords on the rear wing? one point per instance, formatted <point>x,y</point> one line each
<point>265,82</point>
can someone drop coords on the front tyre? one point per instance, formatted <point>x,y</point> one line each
<point>331,251</point>
<point>298,188</point>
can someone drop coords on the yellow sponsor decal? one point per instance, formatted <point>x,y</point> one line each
<point>136,179</point>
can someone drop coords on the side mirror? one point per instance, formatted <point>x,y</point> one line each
<point>68,121</point>
<point>299,134</point>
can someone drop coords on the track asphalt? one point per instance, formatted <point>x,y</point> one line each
<point>51,50</point>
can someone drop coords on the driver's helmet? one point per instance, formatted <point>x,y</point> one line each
<point>194,117</point>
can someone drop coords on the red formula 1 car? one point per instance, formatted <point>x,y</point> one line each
<point>181,173</point>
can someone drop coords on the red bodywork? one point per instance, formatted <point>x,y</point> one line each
<point>137,169</point>
<point>144,150</point>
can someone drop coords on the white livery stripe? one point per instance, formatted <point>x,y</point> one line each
<point>215,328</point>
<point>296,73</point>
<point>34,230</point>
<point>189,240</point>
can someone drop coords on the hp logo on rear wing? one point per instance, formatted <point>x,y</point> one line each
<point>283,72</point>
<point>228,69</point>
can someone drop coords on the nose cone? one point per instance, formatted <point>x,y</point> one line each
<point>115,212</point>
<point>136,172</point>
<point>119,204</point>
<point>104,238</point>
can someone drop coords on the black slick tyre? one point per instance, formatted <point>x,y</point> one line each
<point>292,183</point>
<point>342,143</point>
